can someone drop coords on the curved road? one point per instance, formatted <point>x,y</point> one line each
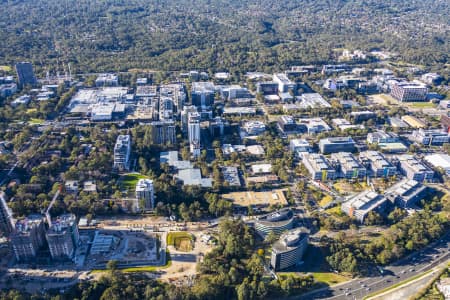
<point>417,263</point>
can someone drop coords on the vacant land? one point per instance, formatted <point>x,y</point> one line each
<point>244,199</point>
<point>182,241</point>
<point>344,187</point>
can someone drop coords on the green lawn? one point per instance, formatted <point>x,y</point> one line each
<point>325,200</point>
<point>31,110</point>
<point>336,210</point>
<point>5,68</point>
<point>329,278</point>
<point>422,105</point>
<point>129,181</point>
<point>35,121</point>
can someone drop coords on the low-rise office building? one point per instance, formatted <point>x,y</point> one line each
<point>313,126</point>
<point>377,164</point>
<point>289,249</point>
<point>337,144</point>
<point>360,116</point>
<point>299,146</point>
<point>439,161</point>
<point>312,100</point>
<point>287,124</point>
<point>413,121</point>
<point>254,127</point>
<point>284,84</point>
<point>359,205</point>
<point>347,166</point>
<point>434,137</point>
<point>318,167</point>
<point>406,193</point>
<point>412,168</point>
<point>379,137</point>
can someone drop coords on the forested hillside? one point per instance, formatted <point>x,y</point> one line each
<point>217,34</point>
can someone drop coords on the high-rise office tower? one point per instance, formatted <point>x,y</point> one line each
<point>25,74</point>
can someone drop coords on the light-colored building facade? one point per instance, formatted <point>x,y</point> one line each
<point>122,151</point>
<point>145,194</point>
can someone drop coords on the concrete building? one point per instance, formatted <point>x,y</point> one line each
<point>7,90</point>
<point>377,164</point>
<point>430,137</point>
<point>413,122</point>
<point>63,237</point>
<point>439,161</point>
<point>6,217</point>
<point>343,124</point>
<point>122,151</point>
<point>313,126</point>
<point>318,167</point>
<point>289,249</point>
<point>231,176</point>
<point>163,133</point>
<point>431,78</point>
<point>267,88</point>
<point>409,91</point>
<point>203,94</point>
<point>313,100</point>
<point>347,166</point>
<point>218,126</point>
<point>276,222</point>
<point>107,79</point>
<point>28,237</point>
<point>379,137</point>
<point>393,147</point>
<point>145,195</point>
<point>231,92</point>
<point>337,144</point>
<point>25,74</point>
<point>334,69</point>
<point>299,146</point>
<point>287,124</point>
<point>193,177</point>
<point>406,193</point>
<point>284,84</point>
<point>359,205</point>
<point>254,127</point>
<point>412,168</point>
<point>397,123</point>
<point>360,116</point>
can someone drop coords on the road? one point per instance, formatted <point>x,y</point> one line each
<point>417,263</point>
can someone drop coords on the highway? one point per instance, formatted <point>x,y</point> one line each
<point>415,264</point>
